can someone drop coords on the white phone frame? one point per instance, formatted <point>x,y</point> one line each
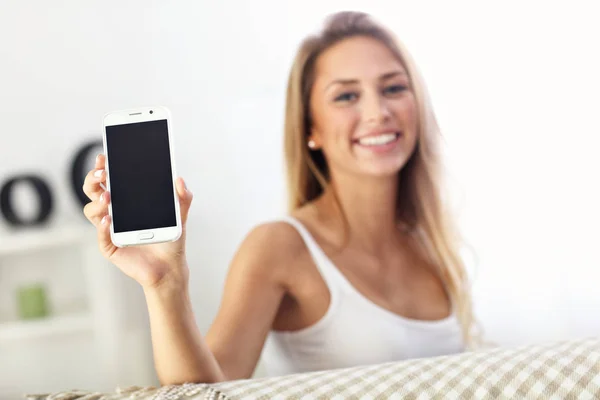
<point>146,236</point>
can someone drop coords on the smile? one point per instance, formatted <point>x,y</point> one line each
<point>378,140</point>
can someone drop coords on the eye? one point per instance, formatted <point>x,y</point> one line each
<point>394,89</point>
<point>348,96</point>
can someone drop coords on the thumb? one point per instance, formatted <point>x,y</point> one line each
<point>185,199</point>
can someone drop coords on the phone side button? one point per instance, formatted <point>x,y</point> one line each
<point>145,236</point>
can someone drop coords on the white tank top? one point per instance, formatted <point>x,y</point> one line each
<point>354,331</point>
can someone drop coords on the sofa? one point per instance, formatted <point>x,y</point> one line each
<point>567,369</point>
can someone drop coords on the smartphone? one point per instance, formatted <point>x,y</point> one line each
<point>140,176</point>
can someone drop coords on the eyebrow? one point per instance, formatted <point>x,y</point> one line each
<point>383,77</point>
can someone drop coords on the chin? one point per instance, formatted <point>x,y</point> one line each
<point>384,168</point>
<point>382,171</point>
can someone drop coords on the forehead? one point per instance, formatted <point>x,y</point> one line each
<point>356,58</point>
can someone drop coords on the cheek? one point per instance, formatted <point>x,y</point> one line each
<point>406,111</point>
<point>406,116</point>
<point>340,125</point>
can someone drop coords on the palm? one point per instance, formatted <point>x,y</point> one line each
<point>147,264</point>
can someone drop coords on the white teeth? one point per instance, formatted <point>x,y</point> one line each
<point>378,140</point>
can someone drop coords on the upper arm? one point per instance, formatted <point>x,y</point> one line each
<point>254,287</point>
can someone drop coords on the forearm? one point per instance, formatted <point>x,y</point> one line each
<point>180,352</point>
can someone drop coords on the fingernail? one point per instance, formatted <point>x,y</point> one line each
<point>102,197</point>
<point>103,221</point>
<point>98,158</point>
<point>98,173</point>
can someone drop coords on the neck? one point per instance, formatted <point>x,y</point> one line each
<point>369,206</point>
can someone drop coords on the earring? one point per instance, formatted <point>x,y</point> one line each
<point>311,144</point>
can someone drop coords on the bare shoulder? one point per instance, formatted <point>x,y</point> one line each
<point>270,248</point>
<point>274,239</point>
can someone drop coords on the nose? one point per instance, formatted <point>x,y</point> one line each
<point>375,109</point>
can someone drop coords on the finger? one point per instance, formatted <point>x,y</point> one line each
<point>185,199</point>
<point>92,184</point>
<point>104,242</point>
<point>101,164</point>
<point>95,210</point>
<point>100,161</point>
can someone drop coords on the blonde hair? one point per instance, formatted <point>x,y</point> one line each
<point>420,205</point>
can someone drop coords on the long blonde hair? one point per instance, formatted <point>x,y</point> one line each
<point>420,205</point>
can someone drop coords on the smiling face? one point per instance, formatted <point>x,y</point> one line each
<point>363,110</point>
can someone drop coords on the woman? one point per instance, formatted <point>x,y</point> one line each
<point>364,270</point>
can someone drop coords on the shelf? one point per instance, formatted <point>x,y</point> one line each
<point>49,326</point>
<point>32,239</point>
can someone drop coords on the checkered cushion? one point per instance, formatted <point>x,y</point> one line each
<point>563,370</point>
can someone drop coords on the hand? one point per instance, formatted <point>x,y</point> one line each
<point>150,265</point>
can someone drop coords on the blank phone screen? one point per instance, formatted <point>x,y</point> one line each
<point>141,183</point>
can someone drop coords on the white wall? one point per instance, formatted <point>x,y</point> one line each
<point>514,86</point>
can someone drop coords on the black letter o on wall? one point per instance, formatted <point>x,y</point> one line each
<point>43,193</point>
<point>79,171</point>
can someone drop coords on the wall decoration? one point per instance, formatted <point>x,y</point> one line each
<point>43,192</point>
<point>79,168</point>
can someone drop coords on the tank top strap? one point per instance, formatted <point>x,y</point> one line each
<point>331,275</point>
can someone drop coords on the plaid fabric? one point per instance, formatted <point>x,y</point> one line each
<point>566,370</point>
<point>563,370</point>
